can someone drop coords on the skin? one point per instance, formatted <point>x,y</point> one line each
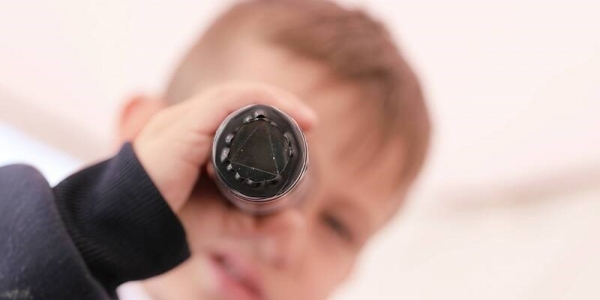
<point>302,252</point>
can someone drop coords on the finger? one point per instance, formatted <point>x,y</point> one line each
<point>214,105</point>
<point>256,93</point>
<point>210,170</point>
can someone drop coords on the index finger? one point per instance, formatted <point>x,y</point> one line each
<point>214,105</point>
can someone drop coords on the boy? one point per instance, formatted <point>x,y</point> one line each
<point>152,212</point>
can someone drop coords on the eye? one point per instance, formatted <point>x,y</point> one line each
<point>337,226</point>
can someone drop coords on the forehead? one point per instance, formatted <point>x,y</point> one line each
<point>364,179</point>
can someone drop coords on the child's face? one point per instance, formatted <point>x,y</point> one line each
<point>306,251</point>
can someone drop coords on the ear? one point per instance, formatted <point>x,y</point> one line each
<point>136,112</point>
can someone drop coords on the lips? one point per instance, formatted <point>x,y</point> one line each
<point>237,279</point>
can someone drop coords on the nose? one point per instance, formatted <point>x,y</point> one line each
<point>285,235</point>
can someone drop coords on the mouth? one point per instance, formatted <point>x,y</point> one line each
<point>237,279</point>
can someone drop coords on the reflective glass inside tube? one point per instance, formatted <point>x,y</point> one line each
<point>260,157</point>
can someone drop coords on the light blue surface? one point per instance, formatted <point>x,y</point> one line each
<point>17,147</point>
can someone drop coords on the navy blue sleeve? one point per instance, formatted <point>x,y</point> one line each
<point>102,226</point>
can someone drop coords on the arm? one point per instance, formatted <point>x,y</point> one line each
<point>102,226</point>
<point>116,221</point>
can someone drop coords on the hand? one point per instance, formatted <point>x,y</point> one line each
<point>176,143</point>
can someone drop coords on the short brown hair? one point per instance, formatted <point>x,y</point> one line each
<point>349,42</point>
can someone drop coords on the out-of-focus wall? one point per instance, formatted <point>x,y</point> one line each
<point>16,148</point>
<point>78,60</point>
<point>507,205</point>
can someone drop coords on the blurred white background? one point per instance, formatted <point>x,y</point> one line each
<point>508,206</point>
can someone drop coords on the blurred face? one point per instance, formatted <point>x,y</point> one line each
<point>302,252</point>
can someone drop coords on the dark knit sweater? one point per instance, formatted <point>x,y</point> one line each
<point>100,227</point>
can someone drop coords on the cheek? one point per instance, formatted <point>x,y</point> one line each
<point>336,256</point>
<point>325,270</point>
